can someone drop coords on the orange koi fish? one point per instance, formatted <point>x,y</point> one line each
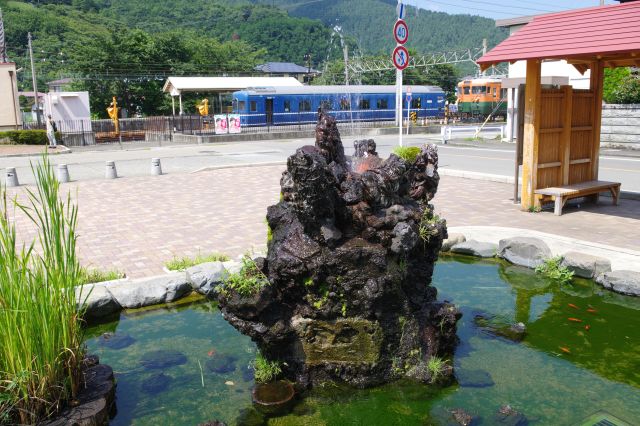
<point>574,319</point>
<point>593,311</point>
<point>571,305</point>
<point>565,350</point>
<point>587,327</point>
<point>212,352</point>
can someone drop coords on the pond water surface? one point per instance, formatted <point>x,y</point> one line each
<point>562,372</point>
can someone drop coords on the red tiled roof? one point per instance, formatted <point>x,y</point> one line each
<point>603,30</point>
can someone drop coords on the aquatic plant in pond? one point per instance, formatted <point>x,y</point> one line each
<point>40,332</point>
<point>264,370</point>
<point>553,269</point>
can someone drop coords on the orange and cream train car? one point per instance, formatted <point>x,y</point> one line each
<point>479,97</point>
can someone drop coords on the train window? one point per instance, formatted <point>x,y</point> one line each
<point>466,90</point>
<point>304,106</point>
<point>415,103</point>
<point>479,90</point>
<point>345,104</point>
<point>325,105</point>
<point>287,106</point>
<point>253,106</point>
<point>382,104</point>
<point>240,105</point>
<point>364,104</point>
<point>503,93</point>
<point>494,92</point>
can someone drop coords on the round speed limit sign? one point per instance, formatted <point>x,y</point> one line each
<point>401,31</point>
<point>400,57</point>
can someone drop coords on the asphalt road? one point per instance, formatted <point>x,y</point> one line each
<point>496,159</point>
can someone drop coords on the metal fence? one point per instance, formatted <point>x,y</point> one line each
<point>163,129</point>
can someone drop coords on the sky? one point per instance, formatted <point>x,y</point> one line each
<point>502,9</point>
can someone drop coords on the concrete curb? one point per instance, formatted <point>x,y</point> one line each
<point>62,150</point>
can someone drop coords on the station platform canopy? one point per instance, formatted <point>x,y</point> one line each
<point>175,86</point>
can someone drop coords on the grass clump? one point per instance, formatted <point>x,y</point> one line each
<point>247,282</point>
<point>427,227</point>
<point>266,371</point>
<point>180,263</point>
<point>40,327</point>
<point>90,276</point>
<point>436,366</point>
<point>407,153</point>
<point>552,269</point>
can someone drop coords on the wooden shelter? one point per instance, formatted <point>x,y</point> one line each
<point>561,140</point>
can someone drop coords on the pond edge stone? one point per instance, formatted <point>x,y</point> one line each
<point>585,265</point>
<point>622,281</point>
<point>524,251</point>
<point>475,248</point>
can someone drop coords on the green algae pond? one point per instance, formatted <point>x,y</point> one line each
<point>579,359</point>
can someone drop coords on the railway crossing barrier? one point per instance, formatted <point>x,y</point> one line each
<point>446,132</point>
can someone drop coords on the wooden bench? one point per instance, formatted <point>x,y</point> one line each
<point>561,194</point>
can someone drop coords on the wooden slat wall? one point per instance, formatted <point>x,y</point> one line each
<point>581,136</point>
<point>565,113</point>
<point>549,170</point>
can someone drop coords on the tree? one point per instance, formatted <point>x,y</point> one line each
<point>621,86</point>
<point>133,65</point>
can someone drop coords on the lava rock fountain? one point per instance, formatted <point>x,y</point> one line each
<point>350,257</point>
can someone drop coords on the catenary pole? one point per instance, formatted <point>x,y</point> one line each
<point>33,80</point>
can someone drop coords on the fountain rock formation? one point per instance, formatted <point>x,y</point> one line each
<point>349,265</point>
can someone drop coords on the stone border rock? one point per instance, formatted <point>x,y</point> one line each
<point>530,251</point>
<point>110,297</point>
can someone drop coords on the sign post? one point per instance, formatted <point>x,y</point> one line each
<point>408,107</point>
<point>400,59</point>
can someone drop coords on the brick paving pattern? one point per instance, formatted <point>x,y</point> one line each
<point>137,224</point>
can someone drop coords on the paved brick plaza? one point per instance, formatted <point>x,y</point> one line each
<point>137,224</point>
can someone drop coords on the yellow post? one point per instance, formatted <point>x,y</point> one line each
<point>531,135</point>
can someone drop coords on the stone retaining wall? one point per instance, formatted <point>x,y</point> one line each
<point>620,126</point>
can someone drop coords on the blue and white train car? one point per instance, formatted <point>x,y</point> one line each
<point>266,106</point>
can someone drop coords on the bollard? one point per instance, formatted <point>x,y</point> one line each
<point>111,172</point>
<point>11,177</point>
<point>63,173</point>
<point>156,168</point>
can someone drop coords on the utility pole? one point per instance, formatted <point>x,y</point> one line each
<point>345,53</point>
<point>33,80</point>
<point>3,46</point>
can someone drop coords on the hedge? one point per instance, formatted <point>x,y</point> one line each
<point>27,137</point>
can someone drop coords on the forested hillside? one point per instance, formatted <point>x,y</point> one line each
<point>370,23</point>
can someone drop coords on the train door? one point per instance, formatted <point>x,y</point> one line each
<point>268,108</point>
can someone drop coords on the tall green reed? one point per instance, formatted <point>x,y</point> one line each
<point>40,328</point>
